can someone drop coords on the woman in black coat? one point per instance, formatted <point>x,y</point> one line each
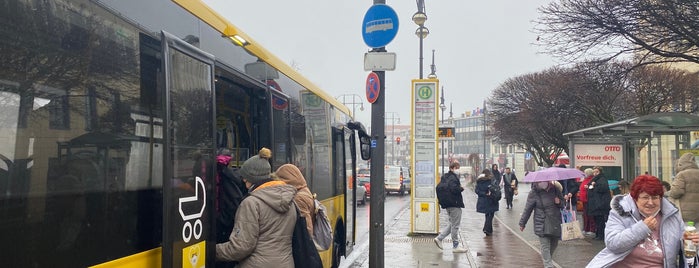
<point>598,198</point>
<point>486,203</point>
<point>497,176</point>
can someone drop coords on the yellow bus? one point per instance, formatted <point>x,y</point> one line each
<point>112,112</point>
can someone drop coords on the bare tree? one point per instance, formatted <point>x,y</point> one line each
<point>533,111</point>
<point>650,31</point>
<point>657,89</point>
<point>601,92</point>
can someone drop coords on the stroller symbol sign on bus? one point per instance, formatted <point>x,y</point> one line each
<point>380,26</point>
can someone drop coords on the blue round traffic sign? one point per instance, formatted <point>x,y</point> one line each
<point>373,87</point>
<point>380,26</point>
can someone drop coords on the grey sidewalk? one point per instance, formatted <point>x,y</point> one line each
<point>507,247</point>
<point>401,250</point>
<point>504,248</point>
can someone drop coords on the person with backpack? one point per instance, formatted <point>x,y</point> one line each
<point>265,221</point>
<point>291,175</point>
<point>449,196</point>
<point>488,196</point>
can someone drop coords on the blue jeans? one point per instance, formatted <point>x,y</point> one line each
<point>453,227</point>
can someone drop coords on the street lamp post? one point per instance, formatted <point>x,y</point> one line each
<point>444,108</point>
<point>419,18</point>
<point>353,102</point>
<point>393,118</point>
<point>485,149</point>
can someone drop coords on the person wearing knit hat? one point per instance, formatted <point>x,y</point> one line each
<point>265,220</point>
<point>304,199</point>
<point>257,170</point>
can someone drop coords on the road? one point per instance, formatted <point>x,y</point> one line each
<point>393,205</point>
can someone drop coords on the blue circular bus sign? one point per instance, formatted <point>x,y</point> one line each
<point>380,26</point>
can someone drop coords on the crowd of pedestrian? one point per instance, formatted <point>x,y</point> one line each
<point>641,222</point>
<point>641,226</point>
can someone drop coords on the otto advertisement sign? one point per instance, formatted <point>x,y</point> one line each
<point>598,154</point>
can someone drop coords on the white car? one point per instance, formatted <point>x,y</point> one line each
<point>360,195</point>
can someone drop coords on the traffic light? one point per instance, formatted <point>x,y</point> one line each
<point>397,140</point>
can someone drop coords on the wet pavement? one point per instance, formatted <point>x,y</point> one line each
<point>507,247</point>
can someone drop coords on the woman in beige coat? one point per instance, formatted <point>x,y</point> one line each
<point>265,220</point>
<point>685,187</point>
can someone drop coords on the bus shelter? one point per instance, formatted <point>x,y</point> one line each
<point>628,148</point>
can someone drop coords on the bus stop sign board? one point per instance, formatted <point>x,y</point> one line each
<point>380,26</point>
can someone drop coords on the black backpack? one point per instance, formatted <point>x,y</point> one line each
<point>495,192</point>
<point>302,245</point>
<point>443,194</point>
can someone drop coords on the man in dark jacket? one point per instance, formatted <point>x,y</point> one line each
<point>511,182</point>
<point>449,196</point>
<point>598,198</point>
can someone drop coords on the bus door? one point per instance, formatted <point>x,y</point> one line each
<point>350,168</point>
<point>343,233</point>
<point>189,150</point>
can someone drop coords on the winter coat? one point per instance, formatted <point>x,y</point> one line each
<point>625,230</point>
<point>583,188</point>
<point>230,191</point>
<point>485,204</point>
<point>263,228</point>
<point>542,203</point>
<point>507,182</point>
<point>598,198</point>
<point>291,175</point>
<point>453,197</point>
<point>685,187</point>
<point>497,176</point>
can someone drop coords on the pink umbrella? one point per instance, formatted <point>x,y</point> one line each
<point>553,174</point>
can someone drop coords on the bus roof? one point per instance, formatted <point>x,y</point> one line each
<point>226,28</point>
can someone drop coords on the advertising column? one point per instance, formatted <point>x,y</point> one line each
<point>424,207</point>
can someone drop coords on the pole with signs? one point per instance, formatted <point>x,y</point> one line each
<point>379,27</point>
<point>424,156</point>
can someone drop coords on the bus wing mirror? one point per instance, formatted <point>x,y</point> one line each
<point>365,147</point>
<point>364,139</point>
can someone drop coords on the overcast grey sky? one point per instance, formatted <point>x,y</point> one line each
<point>479,44</point>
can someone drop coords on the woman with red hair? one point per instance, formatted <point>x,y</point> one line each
<point>643,230</point>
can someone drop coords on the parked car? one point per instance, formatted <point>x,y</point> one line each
<point>363,172</point>
<point>361,194</point>
<point>366,183</point>
<point>393,180</point>
<point>406,179</point>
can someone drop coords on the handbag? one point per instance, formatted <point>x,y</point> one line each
<point>302,246</point>
<point>570,228</point>
<point>551,225</point>
<point>514,188</point>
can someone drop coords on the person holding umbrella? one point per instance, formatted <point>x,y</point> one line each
<point>545,200</point>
